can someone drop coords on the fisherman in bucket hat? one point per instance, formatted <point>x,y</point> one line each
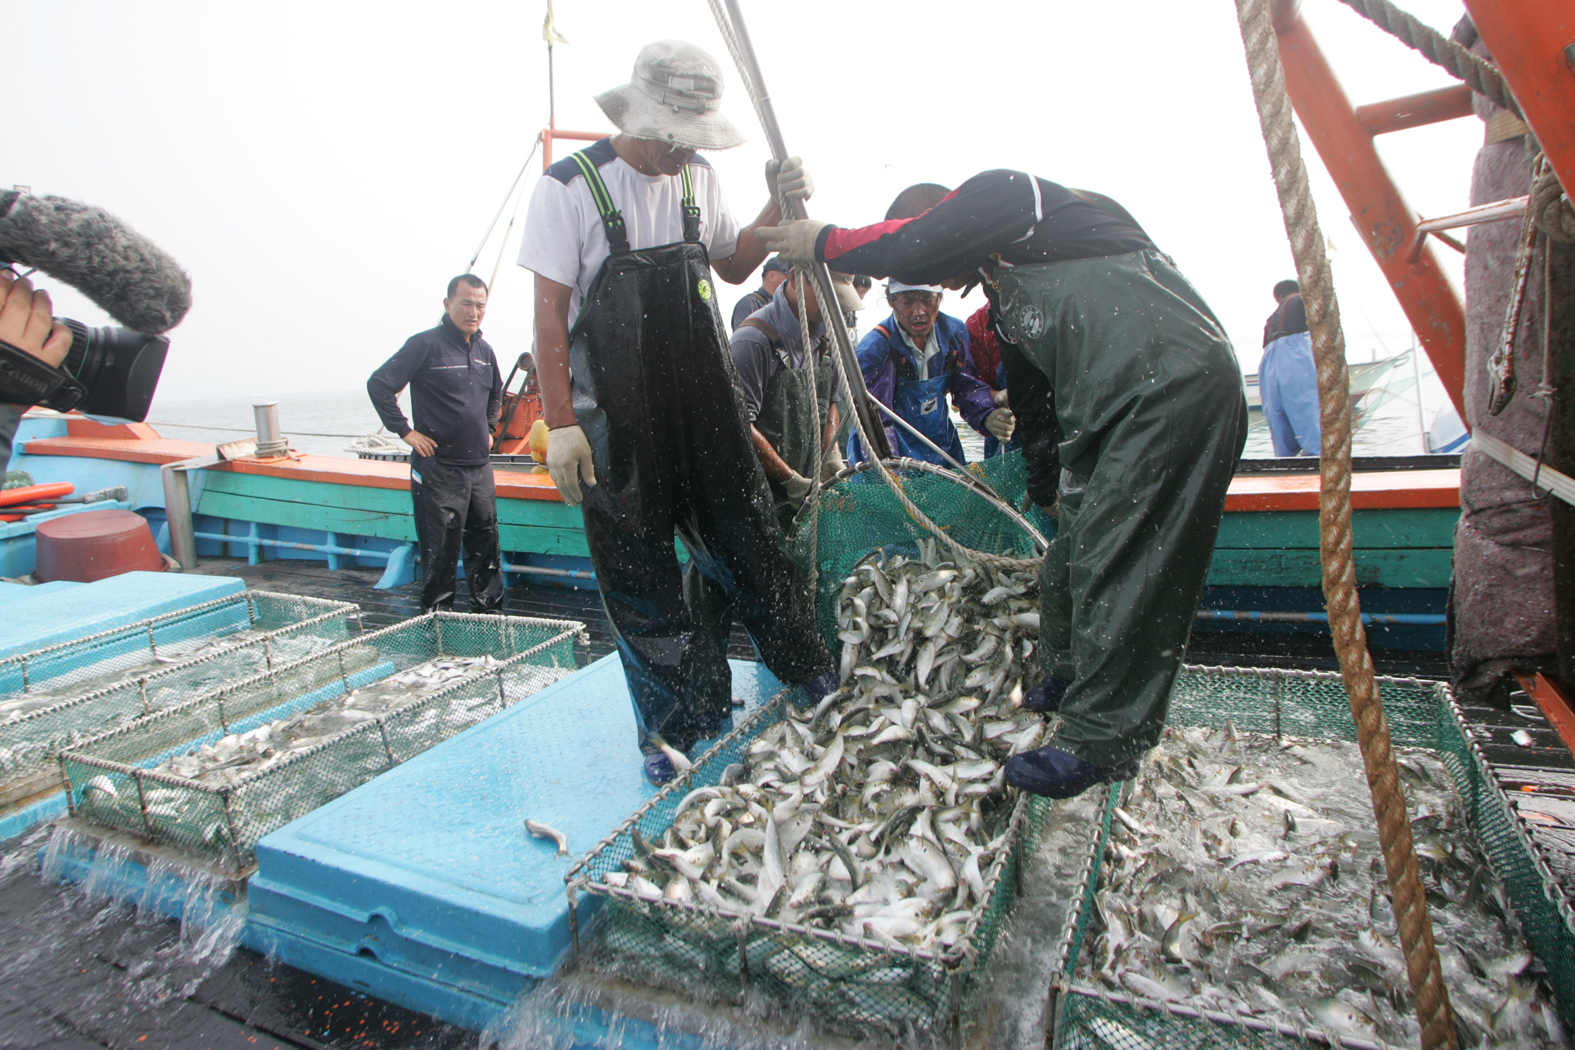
<point>646,432</point>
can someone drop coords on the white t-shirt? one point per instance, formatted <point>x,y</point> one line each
<point>564,238</point>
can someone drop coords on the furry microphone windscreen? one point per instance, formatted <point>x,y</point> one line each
<point>126,274</point>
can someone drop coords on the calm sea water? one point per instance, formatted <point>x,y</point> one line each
<point>323,424</point>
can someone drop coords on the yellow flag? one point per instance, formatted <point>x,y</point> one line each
<point>549,32</point>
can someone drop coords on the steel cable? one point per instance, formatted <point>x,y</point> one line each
<point>1334,524</point>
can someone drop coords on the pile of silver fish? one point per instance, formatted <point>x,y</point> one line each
<point>879,812</point>
<point>28,742</point>
<point>242,754</point>
<point>1244,875</point>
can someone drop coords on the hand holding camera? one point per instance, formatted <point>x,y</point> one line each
<point>26,322</point>
<point>102,371</point>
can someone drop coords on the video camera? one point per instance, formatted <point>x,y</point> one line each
<point>108,371</point>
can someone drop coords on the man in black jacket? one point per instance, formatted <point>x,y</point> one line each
<point>456,395</point>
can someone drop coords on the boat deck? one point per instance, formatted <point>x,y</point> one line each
<point>78,972</point>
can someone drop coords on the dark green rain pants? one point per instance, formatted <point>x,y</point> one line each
<point>1153,418</point>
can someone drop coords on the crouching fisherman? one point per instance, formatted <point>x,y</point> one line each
<point>1147,395</point>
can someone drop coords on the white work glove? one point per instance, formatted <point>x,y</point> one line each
<point>1000,398</point>
<point>794,240</point>
<point>569,459</point>
<point>1000,423</point>
<point>797,486</point>
<point>831,464</point>
<point>789,180</point>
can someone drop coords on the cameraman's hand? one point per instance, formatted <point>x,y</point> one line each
<point>26,324</point>
<point>25,320</point>
<point>419,442</point>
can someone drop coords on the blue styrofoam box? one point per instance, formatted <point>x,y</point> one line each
<point>34,621</point>
<point>429,870</point>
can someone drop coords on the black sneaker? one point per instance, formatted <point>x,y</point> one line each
<point>1045,697</point>
<point>1054,773</point>
<point>658,769</point>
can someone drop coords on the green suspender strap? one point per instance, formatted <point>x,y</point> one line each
<point>691,209</point>
<point>612,218</point>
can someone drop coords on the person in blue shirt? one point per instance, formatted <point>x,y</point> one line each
<point>1287,377</point>
<point>913,362</point>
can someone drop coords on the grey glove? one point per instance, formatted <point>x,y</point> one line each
<point>1000,398</point>
<point>789,179</point>
<point>794,241</point>
<point>831,464</point>
<point>797,486</point>
<point>569,459</point>
<point>1000,423</point>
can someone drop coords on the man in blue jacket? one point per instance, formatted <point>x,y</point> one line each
<point>456,396</point>
<point>912,362</point>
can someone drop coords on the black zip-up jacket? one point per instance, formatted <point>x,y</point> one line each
<point>456,392</point>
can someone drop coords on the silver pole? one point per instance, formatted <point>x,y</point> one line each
<point>823,286</point>
<point>177,512</point>
<point>270,442</point>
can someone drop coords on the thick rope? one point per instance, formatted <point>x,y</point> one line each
<point>1334,524</point>
<point>1482,76</point>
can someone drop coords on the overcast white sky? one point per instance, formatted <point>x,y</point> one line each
<point>322,169</point>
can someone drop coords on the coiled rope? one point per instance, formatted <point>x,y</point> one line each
<point>1334,524</point>
<point>1481,75</point>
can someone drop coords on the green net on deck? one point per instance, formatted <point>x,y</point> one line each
<point>125,779</point>
<point>1309,705</point>
<point>60,695</point>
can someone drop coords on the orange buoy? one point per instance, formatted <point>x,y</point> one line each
<point>94,545</point>
<point>36,493</point>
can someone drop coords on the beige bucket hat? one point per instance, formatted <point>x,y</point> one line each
<point>674,96</point>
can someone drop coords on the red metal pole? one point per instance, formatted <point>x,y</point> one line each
<point>1415,111</point>
<point>1533,44</point>
<point>1385,221</point>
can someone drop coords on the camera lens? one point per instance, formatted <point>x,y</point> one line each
<point>119,367</point>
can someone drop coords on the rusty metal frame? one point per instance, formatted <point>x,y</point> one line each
<point>1343,137</point>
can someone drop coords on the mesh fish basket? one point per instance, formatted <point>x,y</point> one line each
<point>1311,705</point>
<point>859,513</point>
<point>112,779</point>
<point>858,986</point>
<point>53,697</point>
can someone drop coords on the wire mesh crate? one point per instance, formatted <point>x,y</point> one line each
<point>1311,705</point>
<point>57,696</point>
<point>855,985</point>
<point>111,780</point>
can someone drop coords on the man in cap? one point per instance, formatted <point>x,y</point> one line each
<point>1147,395</point>
<point>772,274</point>
<point>623,238</point>
<point>912,362</point>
